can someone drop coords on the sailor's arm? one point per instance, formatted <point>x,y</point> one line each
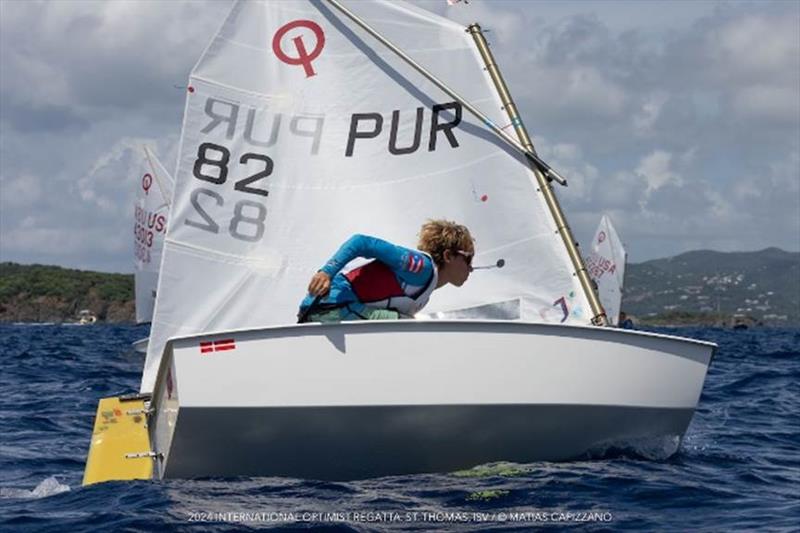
<point>410,265</point>
<point>320,283</point>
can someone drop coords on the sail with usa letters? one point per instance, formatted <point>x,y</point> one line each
<point>303,127</point>
<point>606,265</point>
<point>153,195</point>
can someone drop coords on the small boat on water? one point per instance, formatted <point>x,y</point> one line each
<point>85,317</point>
<point>305,123</point>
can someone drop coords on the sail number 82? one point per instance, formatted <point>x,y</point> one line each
<point>247,223</point>
<point>241,220</point>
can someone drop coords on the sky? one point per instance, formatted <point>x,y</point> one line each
<point>678,119</point>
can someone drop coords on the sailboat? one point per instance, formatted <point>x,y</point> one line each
<point>86,317</point>
<point>153,196</point>
<point>305,123</point>
<point>606,265</point>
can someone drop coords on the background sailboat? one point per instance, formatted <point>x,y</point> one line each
<point>606,265</point>
<point>153,196</point>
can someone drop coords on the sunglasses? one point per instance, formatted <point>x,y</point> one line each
<point>467,256</point>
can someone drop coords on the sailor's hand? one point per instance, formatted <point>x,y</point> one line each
<point>320,284</point>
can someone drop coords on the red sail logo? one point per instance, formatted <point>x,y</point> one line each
<point>302,56</point>
<point>147,182</point>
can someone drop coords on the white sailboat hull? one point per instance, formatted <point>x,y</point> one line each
<point>367,399</point>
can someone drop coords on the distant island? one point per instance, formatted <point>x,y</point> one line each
<point>716,288</point>
<point>41,293</point>
<point>695,288</point>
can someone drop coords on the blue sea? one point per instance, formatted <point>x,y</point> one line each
<point>737,469</point>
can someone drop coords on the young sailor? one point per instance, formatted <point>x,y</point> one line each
<point>397,282</point>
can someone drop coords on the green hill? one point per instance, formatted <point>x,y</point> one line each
<point>764,285</point>
<point>41,293</point>
<point>694,287</point>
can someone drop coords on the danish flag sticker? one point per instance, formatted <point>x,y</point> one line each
<point>222,345</point>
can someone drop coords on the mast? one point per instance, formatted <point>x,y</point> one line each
<point>534,159</point>
<point>599,317</point>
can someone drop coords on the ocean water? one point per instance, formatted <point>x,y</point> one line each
<point>737,469</point>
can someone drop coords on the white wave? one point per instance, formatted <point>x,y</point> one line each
<point>652,448</point>
<point>48,487</point>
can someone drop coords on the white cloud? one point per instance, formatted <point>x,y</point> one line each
<point>99,187</point>
<point>65,220</point>
<point>568,160</point>
<point>24,190</point>
<point>778,104</point>
<point>53,243</point>
<point>785,173</point>
<point>688,157</point>
<point>656,170</point>
<point>747,190</point>
<point>752,47</point>
<point>720,208</point>
<point>567,151</point>
<point>586,89</point>
<point>28,222</point>
<point>109,183</point>
<point>649,111</point>
<point>90,55</point>
<point>758,57</point>
<point>622,191</point>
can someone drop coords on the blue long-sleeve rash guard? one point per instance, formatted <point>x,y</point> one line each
<point>403,262</point>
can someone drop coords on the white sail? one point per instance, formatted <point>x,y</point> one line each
<point>606,266</point>
<point>153,195</point>
<point>301,130</point>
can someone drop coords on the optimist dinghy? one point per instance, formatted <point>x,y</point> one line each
<point>153,196</point>
<point>606,265</point>
<point>306,123</point>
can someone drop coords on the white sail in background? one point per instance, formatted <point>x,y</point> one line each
<point>606,266</point>
<point>301,130</point>
<point>153,196</point>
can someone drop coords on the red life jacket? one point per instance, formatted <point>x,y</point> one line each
<point>374,282</point>
<point>375,285</point>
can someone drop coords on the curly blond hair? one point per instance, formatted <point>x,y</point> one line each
<point>436,236</point>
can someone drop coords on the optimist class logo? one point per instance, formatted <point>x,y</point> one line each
<point>601,237</point>
<point>147,182</point>
<point>302,57</point>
